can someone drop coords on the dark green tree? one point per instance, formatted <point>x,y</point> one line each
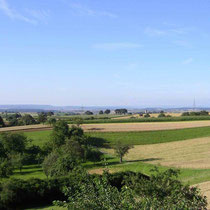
<point>42,117</point>
<point>13,142</point>
<point>121,150</point>
<point>107,111</point>
<point>60,133</point>
<point>88,113</point>
<point>6,168</point>
<point>1,122</point>
<point>27,119</point>
<point>101,112</point>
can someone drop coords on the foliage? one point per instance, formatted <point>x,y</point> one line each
<point>22,194</point>
<point>164,190</point>
<point>147,115</point>
<point>51,121</point>
<point>27,119</point>
<point>5,168</point>
<point>92,154</point>
<point>161,191</point>
<point>201,113</point>
<point>13,143</point>
<point>161,115</point>
<point>121,111</point>
<point>60,133</point>
<point>42,117</point>
<point>121,150</point>
<point>89,113</point>
<point>33,155</point>
<point>101,112</point>
<point>1,122</point>
<point>107,111</point>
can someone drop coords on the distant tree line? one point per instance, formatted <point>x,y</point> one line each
<point>200,113</point>
<point>17,119</point>
<point>121,111</point>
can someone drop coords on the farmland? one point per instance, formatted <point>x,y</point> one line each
<point>185,147</point>
<point>119,127</point>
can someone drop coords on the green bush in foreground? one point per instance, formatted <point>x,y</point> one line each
<point>22,194</point>
<point>161,191</point>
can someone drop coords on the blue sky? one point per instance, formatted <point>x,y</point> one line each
<point>105,52</point>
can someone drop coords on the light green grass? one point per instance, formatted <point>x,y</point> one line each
<point>189,176</point>
<point>39,138</point>
<point>48,208</point>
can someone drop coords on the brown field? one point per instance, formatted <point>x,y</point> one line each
<point>119,127</point>
<point>194,153</point>
<point>151,126</point>
<point>26,128</point>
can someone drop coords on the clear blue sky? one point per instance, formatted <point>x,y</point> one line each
<point>105,52</point>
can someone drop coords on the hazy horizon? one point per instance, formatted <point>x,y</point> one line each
<point>118,53</point>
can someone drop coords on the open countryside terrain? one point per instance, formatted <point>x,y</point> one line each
<point>185,146</point>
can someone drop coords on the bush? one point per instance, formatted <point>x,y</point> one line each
<point>93,154</point>
<point>20,194</point>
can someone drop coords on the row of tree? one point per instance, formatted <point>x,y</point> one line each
<point>17,119</point>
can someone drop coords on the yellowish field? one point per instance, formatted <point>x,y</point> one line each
<point>151,126</point>
<point>152,115</point>
<point>205,189</point>
<point>119,127</point>
<point>193,153</point>
<point>26,128</point>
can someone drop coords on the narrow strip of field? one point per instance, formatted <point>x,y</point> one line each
<point>25,128</point>
<point>119,127</point>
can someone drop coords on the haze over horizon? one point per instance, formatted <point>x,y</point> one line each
<point>99,53</point>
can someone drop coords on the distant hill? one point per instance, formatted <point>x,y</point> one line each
<point>39,108</point>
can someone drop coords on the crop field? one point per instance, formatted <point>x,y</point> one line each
<point>194,153</point>
<point>152,115</point>
<point>118,127</point>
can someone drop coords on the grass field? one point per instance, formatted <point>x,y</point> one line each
<point>151,137</point>
<point>134,138</point>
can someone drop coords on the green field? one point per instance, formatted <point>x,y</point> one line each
<point>134,138</point>
<point>189,176</point>
<point>133,120</point>
<point>151,137</point>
